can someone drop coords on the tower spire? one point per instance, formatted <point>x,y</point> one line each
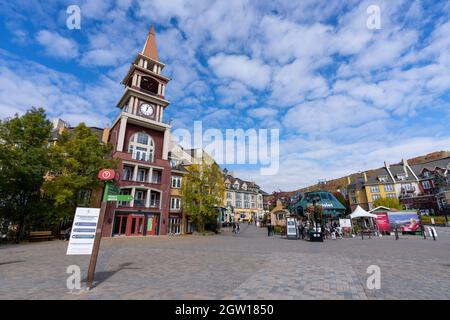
<point>149,50</point>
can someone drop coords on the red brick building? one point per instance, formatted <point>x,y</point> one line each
<point>140,141</point>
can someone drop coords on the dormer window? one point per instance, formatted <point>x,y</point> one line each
<point>426,174</point>
<point>382,178</point>
<point>401,177</point>
<point>244,187</point>
<point>236,186</point>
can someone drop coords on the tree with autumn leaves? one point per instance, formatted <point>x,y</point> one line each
<point>203,191</point>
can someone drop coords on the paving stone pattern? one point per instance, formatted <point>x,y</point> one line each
<point>227,266</point>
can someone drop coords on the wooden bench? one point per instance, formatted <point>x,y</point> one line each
<point>40,235</point>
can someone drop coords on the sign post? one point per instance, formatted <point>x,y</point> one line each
<point>106,175</point>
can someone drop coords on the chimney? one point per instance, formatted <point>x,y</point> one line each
<point>405,164</point>
<point>349,180</point>
<point>365,176</point>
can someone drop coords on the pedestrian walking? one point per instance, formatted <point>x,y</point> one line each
<point>237,228</point>
<point>396,232</point>
<point>422,229</point>
<point>268,230</point>
<point>234,227</point>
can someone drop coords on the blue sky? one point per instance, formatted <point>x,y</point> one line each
<point>345,98</point>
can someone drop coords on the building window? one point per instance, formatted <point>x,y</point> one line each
<point>127,173</point>
<point>175,203</point>
<point>238,204</point>
<point>426,184</point>
<point>389,188</point>
<point>353,199</point>
<point>401,177</point>
<point>407,186</point>
<point>139,198</point>
<point>391,195</point>
<point>247,205</point>
<point>375,197</point>
<point>280,216</point>
<point>229,195</point>
<point>374,189</point>
<point>236,186</point>
<point>142,175</point>
<point>156,176</point>
<point>142,147</point>
<point>176,182</point>
<point>382,178</point>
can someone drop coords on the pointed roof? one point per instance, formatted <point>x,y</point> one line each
<point>149,50</point>
<point>361,213</point>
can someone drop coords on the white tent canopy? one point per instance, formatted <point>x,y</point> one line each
<point>361,213</point>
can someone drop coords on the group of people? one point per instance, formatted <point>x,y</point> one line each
<point>333,231</point>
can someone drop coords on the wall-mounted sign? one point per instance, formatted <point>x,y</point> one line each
<point>83,231</point>
<point>106,174</point>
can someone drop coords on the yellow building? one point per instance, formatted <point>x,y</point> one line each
<point>357,192</point>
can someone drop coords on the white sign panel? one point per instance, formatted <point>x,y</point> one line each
<point>83,231</point>
<point>345,223</point>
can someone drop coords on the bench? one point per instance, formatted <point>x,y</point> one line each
<point>40,235</point>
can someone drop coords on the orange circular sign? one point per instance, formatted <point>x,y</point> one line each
<point>106,174</point>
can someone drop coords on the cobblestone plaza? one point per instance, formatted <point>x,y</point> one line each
<point>226,266</point>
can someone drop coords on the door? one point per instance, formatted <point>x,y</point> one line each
<point>120,225</point>
<point>152,225</point>
<point>136,225</point>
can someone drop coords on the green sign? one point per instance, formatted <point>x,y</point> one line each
<point>113,189</point>
<point>112,193</point>
<point>119,197</point>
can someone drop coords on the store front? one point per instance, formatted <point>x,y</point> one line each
<point>135,224</point>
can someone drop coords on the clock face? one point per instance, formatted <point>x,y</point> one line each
<point>147,109</point>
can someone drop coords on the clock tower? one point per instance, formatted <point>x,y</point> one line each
<point>140,141</point>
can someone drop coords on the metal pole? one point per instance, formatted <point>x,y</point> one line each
<point>98,237</point>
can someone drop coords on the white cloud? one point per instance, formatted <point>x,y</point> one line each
<point>57,46</point>
<point>254,73</point>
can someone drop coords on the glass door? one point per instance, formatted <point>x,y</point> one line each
<point>120,225</point>
<point>136,225</point>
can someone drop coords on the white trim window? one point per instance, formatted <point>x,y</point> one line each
<point>142,147</point>
<point>175,203</point>
<point>426,184</point>
<point>375,197</point>
<point>176,182</point>
<point>374,189</point>
<point>389,188</point>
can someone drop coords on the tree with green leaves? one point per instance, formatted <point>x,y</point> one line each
<point>203,191</point>
<point>77,158</point>
<point>391,203</point>
<point>24,161</point>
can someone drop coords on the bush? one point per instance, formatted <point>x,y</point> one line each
<point>439,220</point>
<point>279,230</point>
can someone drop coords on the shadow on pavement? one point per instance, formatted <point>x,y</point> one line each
<point>11,262</point>
<point>102,276</point>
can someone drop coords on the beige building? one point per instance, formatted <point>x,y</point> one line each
<point>243,198</point>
